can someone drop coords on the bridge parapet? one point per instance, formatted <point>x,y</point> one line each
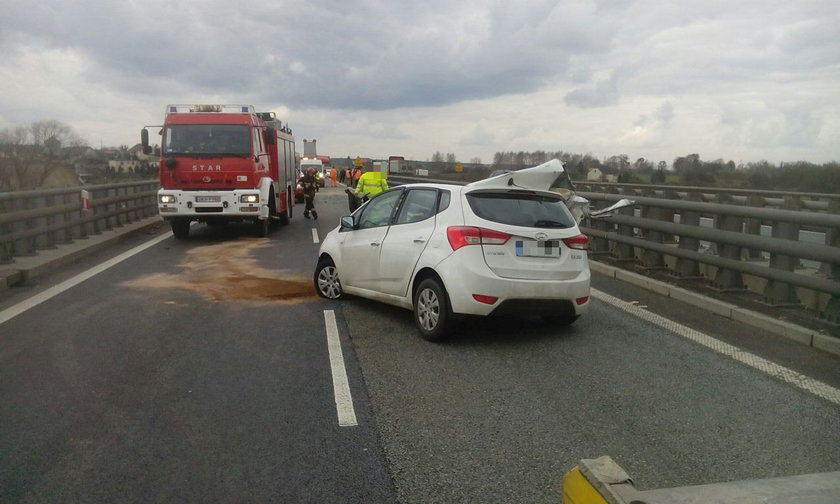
<point>43,219</point>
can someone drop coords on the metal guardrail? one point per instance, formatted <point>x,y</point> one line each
<point>750,197</point>
<point>42,219</point>
<point>749,241</point>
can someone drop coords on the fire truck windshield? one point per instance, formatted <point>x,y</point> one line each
<point>201,140</point>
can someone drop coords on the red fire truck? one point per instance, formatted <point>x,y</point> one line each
<point>224,163</point>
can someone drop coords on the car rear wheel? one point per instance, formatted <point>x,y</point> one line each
<point>431,311</point>
<point>327,283</point>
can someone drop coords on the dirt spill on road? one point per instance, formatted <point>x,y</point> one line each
<point>228,272</point>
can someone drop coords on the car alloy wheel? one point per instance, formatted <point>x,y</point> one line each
<point>326,280</point>
<point>431,310</point>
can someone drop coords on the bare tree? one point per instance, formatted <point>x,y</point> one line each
<point>29,154</point>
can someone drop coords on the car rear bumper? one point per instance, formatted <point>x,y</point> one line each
<point>464,279</point>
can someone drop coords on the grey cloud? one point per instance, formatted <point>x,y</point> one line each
<point>412,55</point>
<point>665,113</point>
<point>791,128</point>
<point>802,128</point>
<point>604,93</point>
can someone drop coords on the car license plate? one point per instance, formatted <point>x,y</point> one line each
<point>208,199</point>
<point>548,248</point>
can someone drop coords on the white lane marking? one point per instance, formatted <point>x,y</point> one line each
<point>341,387</point>
<point>314,235</point>
<point>55,290</point>
<point>799,380</point>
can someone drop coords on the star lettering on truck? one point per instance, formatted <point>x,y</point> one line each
<point>207,168</point>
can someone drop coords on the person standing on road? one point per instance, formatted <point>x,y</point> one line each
<point>371,183</point>
<point>357,173</point>
<point>310,187</point>
<point>333,176</point>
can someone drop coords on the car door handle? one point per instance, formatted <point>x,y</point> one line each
<point>374,244</point>
<point>419,240</point>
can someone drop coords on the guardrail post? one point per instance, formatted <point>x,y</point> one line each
<point>81,228</point>
<point>777,293</point>
<point>96,212</point>
<point>669,214</point>
<point>6,246</point>
<point>728,279</point>
<point>689,268</point>
<point>753,226</point>
<point>111,210</point>
<point>23,246</point>
<point>44,240</point>
<point>832,239</point>
<point>650,258</point>
<point>623,251</point>
<point>599,245</point>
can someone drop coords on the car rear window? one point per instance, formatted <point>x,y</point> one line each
<point>521,208</point>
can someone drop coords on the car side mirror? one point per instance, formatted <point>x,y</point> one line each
<point>347,222</point>
<point>610,210</point>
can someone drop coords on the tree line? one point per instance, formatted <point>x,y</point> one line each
<point>31,154</point>
<point>690,170</point>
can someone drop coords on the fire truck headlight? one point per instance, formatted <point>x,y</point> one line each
<point>249,198</point>
<point>168,198</point>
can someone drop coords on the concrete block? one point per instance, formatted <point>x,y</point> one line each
<point>797,333</point>
<point>630,277</point>
<point>701,301</point>
<point>10,277</point>
<point>772,325</point>
<point>661,288</point>
<point>602,268</point>
<point>827,343</point>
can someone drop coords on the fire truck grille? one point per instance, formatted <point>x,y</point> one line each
<point>208,210</point>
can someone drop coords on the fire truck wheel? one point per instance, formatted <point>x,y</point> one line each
<point>180,228</point>
<point>327,283</point>
<point>263,227</point>
<point>286,216</point>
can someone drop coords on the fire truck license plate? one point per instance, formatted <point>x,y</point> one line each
<point>208,199</point>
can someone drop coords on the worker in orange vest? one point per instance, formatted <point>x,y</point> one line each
<point>333,176</point>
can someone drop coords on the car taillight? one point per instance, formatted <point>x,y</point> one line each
<point>460,236</point>
<point>579,242</point>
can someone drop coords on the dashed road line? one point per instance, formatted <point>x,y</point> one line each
<point>341,387</point>
<point>798,380</point>
<point>315,235</point>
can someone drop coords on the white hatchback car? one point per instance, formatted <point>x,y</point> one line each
<point>502,245</point>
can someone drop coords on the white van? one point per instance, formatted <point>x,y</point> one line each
<point>307,163</point>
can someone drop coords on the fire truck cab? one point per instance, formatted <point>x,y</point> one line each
<point>224,163</point>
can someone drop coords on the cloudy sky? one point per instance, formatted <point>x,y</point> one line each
<point>743,80</point>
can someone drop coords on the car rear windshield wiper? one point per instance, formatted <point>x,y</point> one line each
<point>550,224</point>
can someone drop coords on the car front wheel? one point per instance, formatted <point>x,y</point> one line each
<point>327,282</point>
<point>431,311</point>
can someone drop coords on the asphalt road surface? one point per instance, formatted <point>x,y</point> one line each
<point>200,370</point>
